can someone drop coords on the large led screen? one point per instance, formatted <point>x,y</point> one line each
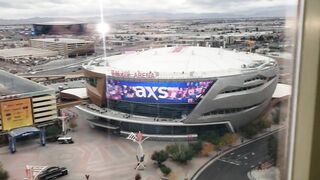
<point>157,92</point>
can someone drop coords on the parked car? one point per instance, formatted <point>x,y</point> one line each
<point>52,173</point>
<point>65,140</point>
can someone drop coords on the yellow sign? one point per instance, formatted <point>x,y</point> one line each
<point>16,113</point>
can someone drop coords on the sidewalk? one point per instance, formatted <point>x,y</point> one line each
<point>266,174</point>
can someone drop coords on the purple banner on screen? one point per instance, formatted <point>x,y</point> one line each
<point>157,92</point>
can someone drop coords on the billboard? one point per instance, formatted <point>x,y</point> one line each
<point>157,92</point>
<point>16,113</point>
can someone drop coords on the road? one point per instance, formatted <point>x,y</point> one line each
<point>236,164</point>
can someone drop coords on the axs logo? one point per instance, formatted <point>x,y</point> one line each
<point>148,92</point>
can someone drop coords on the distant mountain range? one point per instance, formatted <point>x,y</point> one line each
<point>257,13</point>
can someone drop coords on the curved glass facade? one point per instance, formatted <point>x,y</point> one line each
<point>153,110</point>
<point>167,130</point>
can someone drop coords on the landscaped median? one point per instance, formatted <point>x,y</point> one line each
<point>178,159</point>
<point>226,150</point>
<point>189,159</point>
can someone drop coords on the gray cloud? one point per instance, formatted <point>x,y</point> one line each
<point>54,8</point>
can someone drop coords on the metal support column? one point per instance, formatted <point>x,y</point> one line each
<point>42,137</point>
<point>12,144</point>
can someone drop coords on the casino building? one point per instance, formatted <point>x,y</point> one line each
<point>26,108</point>
<point>178,91</point>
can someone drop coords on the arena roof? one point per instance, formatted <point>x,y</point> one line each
<point>183,61</point>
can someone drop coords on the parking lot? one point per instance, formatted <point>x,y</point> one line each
<point>95,152</point>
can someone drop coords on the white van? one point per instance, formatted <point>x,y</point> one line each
<point>65,140</point>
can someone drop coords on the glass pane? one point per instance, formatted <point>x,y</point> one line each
<point>184,89</point>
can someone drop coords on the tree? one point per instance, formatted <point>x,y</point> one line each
<point>4,175</point>
<point>180,153</point>
<point>160,157</point>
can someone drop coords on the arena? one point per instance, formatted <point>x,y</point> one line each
<point>178,91</point>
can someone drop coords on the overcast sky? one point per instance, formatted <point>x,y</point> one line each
<point>14,9</point>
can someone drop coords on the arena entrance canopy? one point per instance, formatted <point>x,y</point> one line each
<point>23,132</point>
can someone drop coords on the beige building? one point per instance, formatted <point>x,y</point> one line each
<point>26,52</point>
<point>25,103</point>
<point>65,46</point>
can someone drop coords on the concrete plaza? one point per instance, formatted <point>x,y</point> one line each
<point>98,153</point>
<point>95,152</point>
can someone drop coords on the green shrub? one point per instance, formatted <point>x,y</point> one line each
<point>249,130</point>
<point>165,170</point>
<point>211,136</point>
<point>263,124</point>
<point>160,156</point>
<point>3,140</point>
<point>196,147</point>
<point>181,153</point>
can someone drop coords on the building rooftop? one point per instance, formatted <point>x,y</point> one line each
<point>27,51</point>
<point>183,61</point>
<point>11,84</point>
<point>80,93</point>
<point>63,40</point>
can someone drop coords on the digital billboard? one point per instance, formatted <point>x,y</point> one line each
<point>157,92</point>
<point>16,113</point>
